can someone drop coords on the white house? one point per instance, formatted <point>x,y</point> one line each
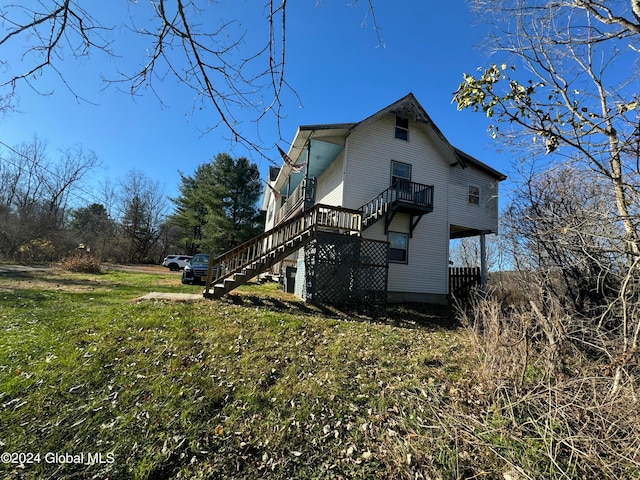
<point>392,177</point>
<point>397,148</point>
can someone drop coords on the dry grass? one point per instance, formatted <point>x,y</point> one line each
<point>553,412</point>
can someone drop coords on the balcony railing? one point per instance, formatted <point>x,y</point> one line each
<point>410,192</point>
<point>300,194</point>
<point>404,195</point>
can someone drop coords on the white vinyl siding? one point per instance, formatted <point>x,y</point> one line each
<point>367,175</point>
<point>484,215</point>
<point>300,289</point>
<point>271,212</point>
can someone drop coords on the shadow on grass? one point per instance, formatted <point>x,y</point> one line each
<point>46,277</point>
<point>414,315</point>
<point>58,280</point>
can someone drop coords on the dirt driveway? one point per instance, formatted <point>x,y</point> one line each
<point>6,269</point>
<point>139,268</point>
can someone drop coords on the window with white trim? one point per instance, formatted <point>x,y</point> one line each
<point>398,247</point>
<point>400,174</point>
<point>474,195</point>
<point>402,128</point>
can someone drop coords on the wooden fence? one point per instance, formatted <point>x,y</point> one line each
<point>462,281</point>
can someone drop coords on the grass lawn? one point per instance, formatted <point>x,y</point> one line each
<point>257,385</point>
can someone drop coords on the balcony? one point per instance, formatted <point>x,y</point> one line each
<point>410,197</point>
<point>295,201</point>
<point>404,196</point>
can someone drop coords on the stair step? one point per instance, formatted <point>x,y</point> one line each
<point>249,268</point>
<point>219,291</point>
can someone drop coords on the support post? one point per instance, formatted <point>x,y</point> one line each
<point>305,194</point>
<point>483,264</point>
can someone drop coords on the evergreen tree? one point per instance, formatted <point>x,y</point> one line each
<point>190,213</point>
<point>217,206</point>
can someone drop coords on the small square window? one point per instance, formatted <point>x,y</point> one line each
<point>474,195</point>
<point>398,247</point>
<point>402,128</point>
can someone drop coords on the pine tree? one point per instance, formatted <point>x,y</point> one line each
<point>217,206</point>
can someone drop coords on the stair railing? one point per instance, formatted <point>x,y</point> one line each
<point>260,247</point>
<point>374,206</point>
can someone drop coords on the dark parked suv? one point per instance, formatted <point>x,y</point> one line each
<point>195,272</point>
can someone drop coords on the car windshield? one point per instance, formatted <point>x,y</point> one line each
<point>200,259</point>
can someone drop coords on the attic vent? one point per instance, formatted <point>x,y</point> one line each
<point>402,128</point>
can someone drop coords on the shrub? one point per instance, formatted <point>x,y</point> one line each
<point>37,250</point>
<point>83,263</point>
<point>554,410</point>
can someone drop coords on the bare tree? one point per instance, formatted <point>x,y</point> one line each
<point>36,192</point>
<point>565,86</point>
<point>465,252</point>
<point>187,41</point>
<point>580,100</point>
<point>559,223</point>
<point>143,208</point>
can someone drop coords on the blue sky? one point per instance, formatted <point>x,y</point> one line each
<point>334,63</point>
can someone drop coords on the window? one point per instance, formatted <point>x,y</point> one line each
<point>474,195</point>
<point>398,247</point>
<point>400,174</point>
<point>401,180</point>
<point>402,128</point>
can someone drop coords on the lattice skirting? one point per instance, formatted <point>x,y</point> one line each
<point>346,269</point>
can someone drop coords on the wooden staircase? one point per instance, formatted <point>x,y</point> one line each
<point>244,262</point>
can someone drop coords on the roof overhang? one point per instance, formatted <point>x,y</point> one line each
<point>467,159</point>
<point>315,147</point>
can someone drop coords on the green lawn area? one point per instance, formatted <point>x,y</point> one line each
<point>257,385</point>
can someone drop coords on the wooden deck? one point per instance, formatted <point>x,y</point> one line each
<point>297,225</point>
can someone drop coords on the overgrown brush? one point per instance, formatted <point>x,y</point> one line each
<point>554,409</point>
<point>84,263</point>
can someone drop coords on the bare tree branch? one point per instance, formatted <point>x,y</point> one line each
<point>225,73</point>
<point>604,14</point>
